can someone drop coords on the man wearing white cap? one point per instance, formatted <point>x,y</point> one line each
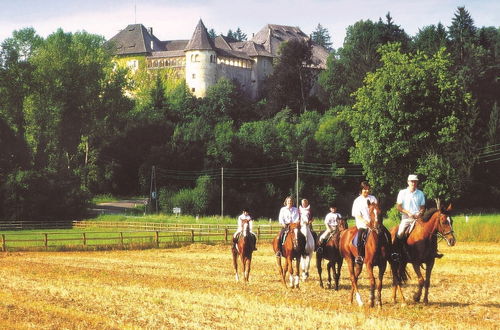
<point>411,204</point>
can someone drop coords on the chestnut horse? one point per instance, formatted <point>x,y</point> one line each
<point>377,252</point>
<point>331,252</point>
<point>292,248</point>
<point>244,248</point>
<point>421,247</point>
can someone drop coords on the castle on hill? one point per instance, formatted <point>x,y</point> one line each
<point>202,61</point>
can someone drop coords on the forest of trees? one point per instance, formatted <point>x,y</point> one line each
<point>387,105</point>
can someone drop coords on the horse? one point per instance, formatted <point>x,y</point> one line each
<point>421,247</point>
<point>377,252</point>
<point>305,259</point>
<point>331,253</point>
<point>244,248</point>
<point>292,248</point>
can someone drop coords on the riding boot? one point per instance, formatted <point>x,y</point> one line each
<point>280,242</point>
<point>437,255</point>
<point>361,247</point>
<point>321,245</point>
<point>397,246</point>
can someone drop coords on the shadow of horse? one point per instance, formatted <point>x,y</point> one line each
<point>331,252</point>
<point>244,249</point>
<point>377,252</point>
<point>292,250</point>
<point>421,247</point>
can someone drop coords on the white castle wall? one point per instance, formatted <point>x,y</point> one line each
<point>201,70</point>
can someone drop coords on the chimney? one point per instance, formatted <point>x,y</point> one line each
<point>150,30</point>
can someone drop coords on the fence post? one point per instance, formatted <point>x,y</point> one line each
<point>46,240</point>
<point>121,238</point>
<point>4,245</point>
<point>157,238</point>
<point>192,235</point>
<point>258,232</point>
<point>84,239</point>
<point>225,234</point>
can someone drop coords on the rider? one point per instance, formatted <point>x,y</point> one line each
<point>331,223</point>
<point>288,214</point>
<point>245,215</point>
<point>411,204</point>
<point>360,212</point>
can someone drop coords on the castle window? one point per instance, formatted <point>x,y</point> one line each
<point>196,59</point>
<point>192,89</point>
<point>133,65</point>
<point>194,75</point>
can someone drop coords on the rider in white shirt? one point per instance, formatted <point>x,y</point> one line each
<point>331,223</point>
<point>360,212</point>
<point>288,214</point>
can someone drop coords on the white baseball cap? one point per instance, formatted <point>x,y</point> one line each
<point>412,177</point>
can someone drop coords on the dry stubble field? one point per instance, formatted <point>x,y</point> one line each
<point>194,287</point>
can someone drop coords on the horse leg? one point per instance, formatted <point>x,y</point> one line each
<point>421,282</point>
<point>329,267</point>
<point>371,277</point>
<point>281,270</point>
<point>357,272</point>
<point>337,267</point>
<point>428,271</point>
<point>352,276</point>
<point>381,272</point>
<point>235,263</point>
<point>318,266</point>
<point>248,262</point>
<point>304,264</point>
<point>296,276</point>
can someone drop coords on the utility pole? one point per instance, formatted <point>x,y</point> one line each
<point>297,183</point>
<point>153,194</point>
<point>221,193</point>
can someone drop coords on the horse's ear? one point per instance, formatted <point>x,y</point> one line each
<point>449,208</point>
<point>368,202</point>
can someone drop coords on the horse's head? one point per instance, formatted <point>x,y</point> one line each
<point>445,225</point>
<point>246,227</point>
<point>342,224</point>
<point>375,213</point>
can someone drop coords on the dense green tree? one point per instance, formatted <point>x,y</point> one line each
<point>16,76</point>
<point>348,66</point>
<point>430,39</point>
<point>321,36</point>
<point>212,34</point>
<point>291,81</point>
<point>239,35</point>
<point>412,106</point>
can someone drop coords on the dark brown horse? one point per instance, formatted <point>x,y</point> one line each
<point>292,250</point>
<point>331,252</point>
<point>377,252</point>
<point>421,247</point>
<point>244,248</point>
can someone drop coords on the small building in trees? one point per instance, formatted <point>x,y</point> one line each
<point>201,61</point>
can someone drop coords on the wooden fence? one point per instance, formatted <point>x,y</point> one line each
<point>138,234</point>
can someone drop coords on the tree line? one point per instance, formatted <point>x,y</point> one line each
<point>392,103</point>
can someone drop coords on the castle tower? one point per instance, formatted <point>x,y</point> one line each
<point>201,61</point>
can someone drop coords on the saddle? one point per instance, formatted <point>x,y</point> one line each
<point>357,238</point>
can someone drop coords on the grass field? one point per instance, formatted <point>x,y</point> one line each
<point>194,287</point>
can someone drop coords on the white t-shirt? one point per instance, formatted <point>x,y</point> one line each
<point>331,219</point>
<point>244,217</point>
<point>360,209</point>
<point>305,214</point>
<point>411,201</point>
<point>288,216</point>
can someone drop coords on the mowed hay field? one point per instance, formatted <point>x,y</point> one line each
<point>194,287</point>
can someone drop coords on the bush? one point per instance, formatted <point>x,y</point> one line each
<point>42,195</point>
<point>191,201</point>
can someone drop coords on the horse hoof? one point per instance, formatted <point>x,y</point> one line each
<point>358,299</point>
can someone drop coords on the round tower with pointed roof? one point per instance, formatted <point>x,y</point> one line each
<point>201,61</point>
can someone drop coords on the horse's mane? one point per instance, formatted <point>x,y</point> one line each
<point>428,213</point>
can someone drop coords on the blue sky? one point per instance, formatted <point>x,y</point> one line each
<point>176,19</point>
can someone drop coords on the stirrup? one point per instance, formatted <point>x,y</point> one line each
<point>319,250</point>
<point>278,253</point>
<point>396,257</point>
<point>439,255</point>
<point>359,260</point>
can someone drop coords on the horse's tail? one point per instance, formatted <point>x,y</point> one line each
<point>399,271</point>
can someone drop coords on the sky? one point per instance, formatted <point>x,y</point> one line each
<point>176,19</point>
